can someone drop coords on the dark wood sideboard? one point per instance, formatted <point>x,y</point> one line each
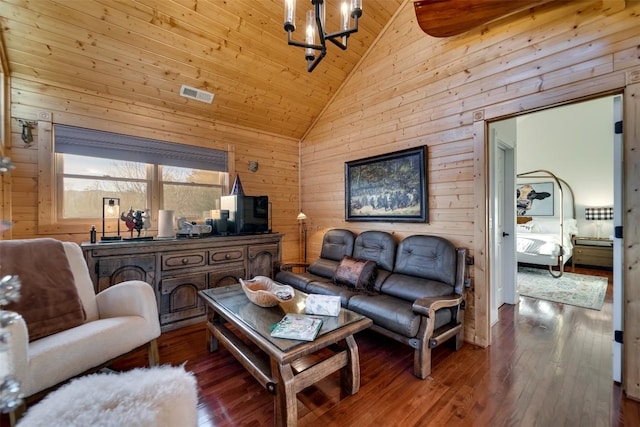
<point>178,269</point>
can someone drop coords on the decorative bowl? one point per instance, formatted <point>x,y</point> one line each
<point>265,292</point>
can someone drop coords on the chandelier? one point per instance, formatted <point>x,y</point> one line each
<point>315,35</point>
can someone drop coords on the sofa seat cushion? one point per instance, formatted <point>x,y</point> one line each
<point>297,280</point>
<point>328,288</point>
<point>56,358</point>
<point>394,314</point>
<point>410,288</point>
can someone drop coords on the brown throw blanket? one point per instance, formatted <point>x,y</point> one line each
<point>49,300</point>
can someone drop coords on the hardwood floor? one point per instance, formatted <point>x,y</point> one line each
<point>549,365</point>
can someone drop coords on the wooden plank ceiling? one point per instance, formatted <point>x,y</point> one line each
<point>144,50</point>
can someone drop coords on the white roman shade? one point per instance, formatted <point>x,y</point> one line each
<point>109,145</point>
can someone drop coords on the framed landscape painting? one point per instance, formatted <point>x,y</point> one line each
<point>390,187</point>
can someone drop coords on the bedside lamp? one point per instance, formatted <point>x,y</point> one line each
<point>598,215</point>
<point>302,218</point>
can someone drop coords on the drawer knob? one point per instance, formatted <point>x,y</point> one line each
<point>185,261</point>
<point>227,256</point>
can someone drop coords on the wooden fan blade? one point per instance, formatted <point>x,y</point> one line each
<point>445,18</point>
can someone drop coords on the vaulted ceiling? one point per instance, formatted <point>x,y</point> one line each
<point>144,50</point>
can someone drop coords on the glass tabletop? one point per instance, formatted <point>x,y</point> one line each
<point>233,299</point>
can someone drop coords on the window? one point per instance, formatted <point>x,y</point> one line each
<point>90,165</point>
<point>191,193</point>
<point>84,181</point>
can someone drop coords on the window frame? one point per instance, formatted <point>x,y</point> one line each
<point>47,216</point>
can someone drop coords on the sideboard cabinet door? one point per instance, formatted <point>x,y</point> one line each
<point>179,298</point>
<point>263,260</point>
<point>119,269</point>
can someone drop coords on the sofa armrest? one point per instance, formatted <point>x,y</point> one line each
<point>427,306</point>
<point>130,298</point>
<point>17,361</point>
<point>291,265</point>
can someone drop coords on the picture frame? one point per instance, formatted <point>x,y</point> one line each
<point>390,187</point>
<point>535,199</point>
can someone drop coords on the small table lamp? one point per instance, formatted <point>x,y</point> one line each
<point>110,211</point>
<point>302,218</point>
<point>598,215</point>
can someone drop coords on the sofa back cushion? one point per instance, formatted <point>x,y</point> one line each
<point>49,301</point>
<point>337,243</point>
<point>323,267</point>
<point>378,246</point>
<point>427,257</point>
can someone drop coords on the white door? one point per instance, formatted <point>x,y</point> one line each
<point>617,241</point>
<point>501,224</point>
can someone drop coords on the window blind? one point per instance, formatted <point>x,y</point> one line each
<point>110,145</point>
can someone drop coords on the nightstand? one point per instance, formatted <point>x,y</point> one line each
<point>592,251</point>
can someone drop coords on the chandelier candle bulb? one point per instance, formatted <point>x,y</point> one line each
<point>356,8</point>
<point>290,15</point>
<point>345,16</point>
<point>311,34</point>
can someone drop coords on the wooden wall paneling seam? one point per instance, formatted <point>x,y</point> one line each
<point>46,174</point>
<point>631,266</point>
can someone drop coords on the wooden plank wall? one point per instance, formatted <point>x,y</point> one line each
<point>5,189</point>
<point>412,89</point>
<point>277,175</point>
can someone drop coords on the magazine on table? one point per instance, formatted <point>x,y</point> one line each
<point>300,327</point>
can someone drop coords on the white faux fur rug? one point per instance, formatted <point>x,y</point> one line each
<point>163,396</point>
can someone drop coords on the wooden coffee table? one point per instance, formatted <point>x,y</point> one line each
<point>273,366</point>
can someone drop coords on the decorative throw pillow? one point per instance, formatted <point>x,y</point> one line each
<point>358,274</point>
<point>523,219</point>
<point>49,301</point>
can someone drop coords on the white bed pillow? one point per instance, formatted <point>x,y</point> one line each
<point>551,225</point>
<point>524,228</point>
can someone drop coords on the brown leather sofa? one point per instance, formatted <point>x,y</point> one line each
<point>415,297</point>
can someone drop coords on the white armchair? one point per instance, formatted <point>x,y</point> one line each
<point>118,320</point>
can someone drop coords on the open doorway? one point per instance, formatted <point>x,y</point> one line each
<point>577,143</point>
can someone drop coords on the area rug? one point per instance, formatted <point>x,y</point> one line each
<point>162,396</point>
<point>573,289</point>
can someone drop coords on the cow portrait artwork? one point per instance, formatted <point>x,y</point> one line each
<point>525,196</point>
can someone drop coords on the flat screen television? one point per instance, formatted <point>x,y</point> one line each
<point>247,214</point>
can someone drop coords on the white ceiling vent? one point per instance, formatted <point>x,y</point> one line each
<point>197,94</point>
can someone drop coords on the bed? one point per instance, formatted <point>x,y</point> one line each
<point>546,220</point>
